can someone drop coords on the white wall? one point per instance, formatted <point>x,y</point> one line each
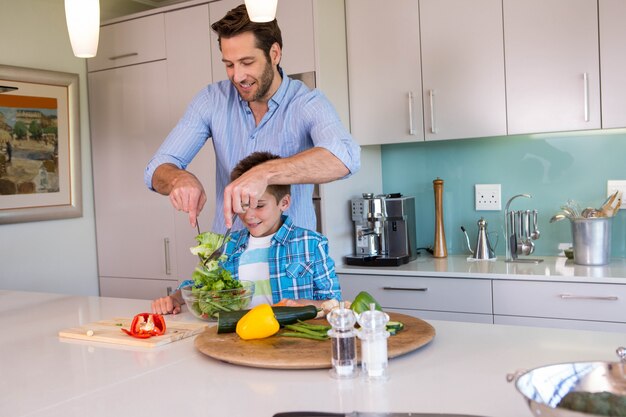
<point>60,255</point>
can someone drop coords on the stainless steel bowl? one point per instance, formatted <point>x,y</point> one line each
<point>544,387</point>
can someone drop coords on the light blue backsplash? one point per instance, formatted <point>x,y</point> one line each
<point>552,168</point>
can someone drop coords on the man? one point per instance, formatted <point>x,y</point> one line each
<point>258,109</point>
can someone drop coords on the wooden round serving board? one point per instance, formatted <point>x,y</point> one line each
<point>278,352</point>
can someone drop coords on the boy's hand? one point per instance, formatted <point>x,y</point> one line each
<point>166,305</point>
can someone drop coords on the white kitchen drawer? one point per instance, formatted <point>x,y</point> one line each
<point>146,289</point>
<point>598,326</point>
<point>130,42</point>
<point>560,300</point>
<point>415,293</point>
<point>445,315</point>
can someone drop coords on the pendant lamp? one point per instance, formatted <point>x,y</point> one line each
<point>261,10</point>
<point>83,25</point>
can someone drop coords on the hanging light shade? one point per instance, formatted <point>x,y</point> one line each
<point>83,25</point>
<point>261,10</point>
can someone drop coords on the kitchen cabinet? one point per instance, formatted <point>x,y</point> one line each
<point>612,14</point>
<point>188,71</point>
<point>552,65</point>
<point>295,18</point>
<point>143,243</point>
<point>130,42</point>
<point>384,71</point>
<point>582,306</point>
<point>462,68</point>
<point>428,298</point>
<point>134,226</point>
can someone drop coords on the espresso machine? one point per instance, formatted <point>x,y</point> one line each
<point>384,230</point>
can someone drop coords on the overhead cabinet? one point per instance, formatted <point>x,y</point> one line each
<point>462,68</point>
<point>613,62</point>
<point>384,71</point>
<point>483,68</point>
<point>552,65</point>
<point>453,47</point>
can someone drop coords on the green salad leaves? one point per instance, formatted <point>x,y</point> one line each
<point>210,278</point>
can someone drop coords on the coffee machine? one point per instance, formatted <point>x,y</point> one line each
<point>384,230</point>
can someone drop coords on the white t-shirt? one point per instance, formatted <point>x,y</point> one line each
<point>254,266</point>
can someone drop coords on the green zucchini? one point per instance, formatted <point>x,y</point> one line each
<point>227,320</point>
<point>394,327</point>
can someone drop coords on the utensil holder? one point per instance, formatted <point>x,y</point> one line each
<point>592,240</point>
<point>515,242</point>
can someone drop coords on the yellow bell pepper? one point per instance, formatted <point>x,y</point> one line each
<point>258,323</point>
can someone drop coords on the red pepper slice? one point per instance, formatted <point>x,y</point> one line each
<point>146,325</point>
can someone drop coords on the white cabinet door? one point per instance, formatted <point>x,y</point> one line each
<point>130,42</point>
<point>384,74</point>
<point>552,65</point>
<point>613,62</point>
<point>462,68</point>
<point>189,70</point>
<point>295,19</point>
<point>129,119</point>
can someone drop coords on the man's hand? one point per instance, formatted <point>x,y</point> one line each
<point>244,192</point>
<point>183,188</point>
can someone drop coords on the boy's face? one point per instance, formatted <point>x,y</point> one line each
<point>265,218</point>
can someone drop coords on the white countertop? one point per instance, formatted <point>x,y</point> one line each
<point>462,370</point>
<point>457,266</point>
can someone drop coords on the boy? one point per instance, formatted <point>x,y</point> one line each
<point>288,264</point>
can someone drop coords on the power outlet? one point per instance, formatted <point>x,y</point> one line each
<point>488,197</point>
<point>616,185</point>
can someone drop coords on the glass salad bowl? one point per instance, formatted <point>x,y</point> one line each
<point>206,304</point>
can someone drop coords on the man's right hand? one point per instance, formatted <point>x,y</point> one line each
<point>183,188</point>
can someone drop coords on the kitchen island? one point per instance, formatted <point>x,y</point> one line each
<point>462,370</point>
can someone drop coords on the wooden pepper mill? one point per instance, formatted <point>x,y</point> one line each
<point>440,250</point>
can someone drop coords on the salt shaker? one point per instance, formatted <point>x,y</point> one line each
<point>373,335</point>
<point>343,342</point>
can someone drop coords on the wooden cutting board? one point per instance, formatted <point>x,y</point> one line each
<point>109,331</point>
<point>294,353</point>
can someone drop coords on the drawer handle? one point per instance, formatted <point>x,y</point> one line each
<point>587,297</point>
<point>113,58</point>
<point>166,243</point>
<point>404,289</point>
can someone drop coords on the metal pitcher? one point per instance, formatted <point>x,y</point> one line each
<point>484,250</point>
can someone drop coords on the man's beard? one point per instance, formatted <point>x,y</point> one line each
<point>264,83</point>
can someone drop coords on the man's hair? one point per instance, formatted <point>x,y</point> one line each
<point>237,22</point>
<point>257,158</point>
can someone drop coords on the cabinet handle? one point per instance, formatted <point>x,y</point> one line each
<point>431,96</point>
<point>166,242</point>
<point>586,94</point>
<point>404,289</point>
<point>168,290</point>
<point>113,58</point>
<point>411,125</point>
<point>588,297</point>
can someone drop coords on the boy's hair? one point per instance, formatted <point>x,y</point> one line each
<point>257,158</point>
<point>237,22</point>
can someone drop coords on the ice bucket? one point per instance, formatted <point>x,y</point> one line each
<point>592,240</point>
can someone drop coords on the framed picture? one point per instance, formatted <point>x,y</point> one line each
<point>40,176</point>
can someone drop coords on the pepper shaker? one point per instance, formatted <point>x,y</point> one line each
<point>342,342</point>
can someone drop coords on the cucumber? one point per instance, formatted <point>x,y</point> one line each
<point>227,320</point>
<point>394,327</point>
